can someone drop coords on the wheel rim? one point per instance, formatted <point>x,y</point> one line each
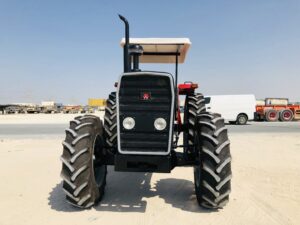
<point>272,115</point>
<point>286,115</point>
<point>242,120</point>
<point>99,170</point>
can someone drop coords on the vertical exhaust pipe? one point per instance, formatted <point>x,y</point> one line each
<point>127,63</point>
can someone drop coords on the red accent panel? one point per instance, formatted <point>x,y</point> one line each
<point>186,88</point>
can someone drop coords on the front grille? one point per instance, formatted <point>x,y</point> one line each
<point>144,138</point>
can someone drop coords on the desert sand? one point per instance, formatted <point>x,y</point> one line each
<point>265,187</point>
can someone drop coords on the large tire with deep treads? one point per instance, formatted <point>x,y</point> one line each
<point>271,115</point>
<point>213,170</point>
<point>286,115</point>
<point>194,105</point>
<point>83,171</point>
<point>110,121</point>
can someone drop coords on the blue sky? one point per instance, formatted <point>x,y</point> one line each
<point>69,51</point>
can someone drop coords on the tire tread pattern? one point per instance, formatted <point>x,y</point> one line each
<point>194,105</point>
<point>110,121</point>
<point>214,169</point>
<point>77,169</point>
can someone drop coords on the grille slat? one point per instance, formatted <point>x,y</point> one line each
<point>155,91</point>
<point>149,108</point>
<point>144,137</point>
<point>154,100</point>
<point>147,136</point>
<point>141,144</point>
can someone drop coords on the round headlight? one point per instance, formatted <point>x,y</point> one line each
<point>160,124</point>
<point>128,123</point>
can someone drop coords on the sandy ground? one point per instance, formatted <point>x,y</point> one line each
<point>265,187</point>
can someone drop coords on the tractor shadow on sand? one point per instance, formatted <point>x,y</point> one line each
<point>128,192</point>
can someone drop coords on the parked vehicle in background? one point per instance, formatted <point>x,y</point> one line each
<point>86,109</point>
<point>51,107</point>
<point>275,109</point>
<point>234,108</point>
<point>71,109</point>
<point>181,108</point>
<point>20,108</point>
<point>32,108</point>
<point>13,109</point>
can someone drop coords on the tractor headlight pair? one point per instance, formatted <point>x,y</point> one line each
<point>159,123</point>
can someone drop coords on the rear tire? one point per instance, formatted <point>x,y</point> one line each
<point>83,170</point>
<point>110,121</point>
<point>194,105</point>
<point>242,119</point>
<point>212,175</point>
<point>286,115</point>
<point>271,115</point>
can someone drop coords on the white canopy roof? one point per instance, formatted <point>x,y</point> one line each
<point>161,50</point>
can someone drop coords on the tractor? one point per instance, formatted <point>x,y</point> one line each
<point>141,130</point>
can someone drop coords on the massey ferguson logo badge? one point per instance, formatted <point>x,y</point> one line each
<point>145,96</point>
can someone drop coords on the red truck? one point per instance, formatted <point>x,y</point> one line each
<point>274,109</point>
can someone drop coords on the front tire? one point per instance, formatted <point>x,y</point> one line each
<point>194,105</point>
<point>212,174</point>
<point>83,171</point>
<point>110,121</point>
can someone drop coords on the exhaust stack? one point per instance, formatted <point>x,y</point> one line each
<point>127,61</point>
<point>130,51</point>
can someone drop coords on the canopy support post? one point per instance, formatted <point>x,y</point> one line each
<point>176,68</point>
<point>176,81</point>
